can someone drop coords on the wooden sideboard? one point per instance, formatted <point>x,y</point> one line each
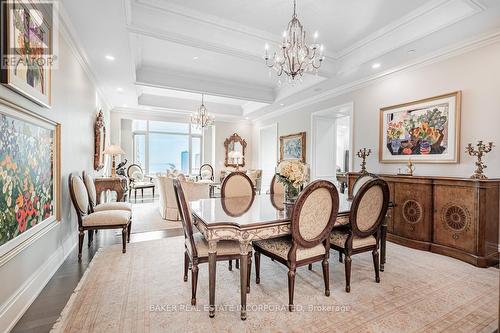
<point>457,217</point>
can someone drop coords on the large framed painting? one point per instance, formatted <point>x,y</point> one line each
<point>427,131</point>
<point>27,48</point>
<point>29,175</point>
<point>293,147</point>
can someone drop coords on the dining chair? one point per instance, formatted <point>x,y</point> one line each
<point>276,186</point>
<point>237,184</point>
<point>312,220</point>
<point>110,219</point>
<point>206,172</point>
<point>362,234</point>
<point>93,205</point>
<point>196,246</point>
<point>363,179</point>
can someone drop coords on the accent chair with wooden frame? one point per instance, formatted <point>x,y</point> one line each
<point>205,168</point>
<point>113,219</point>
<point>312,221</point>
<point>196,247</point>
<point>363,233</point>
<point>136,181</point>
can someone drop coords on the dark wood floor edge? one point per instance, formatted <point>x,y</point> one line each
<point>40,288</point>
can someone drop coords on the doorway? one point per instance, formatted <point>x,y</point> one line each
<point>332,142</point>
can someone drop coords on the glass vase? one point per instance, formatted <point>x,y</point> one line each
<point>291,194</point>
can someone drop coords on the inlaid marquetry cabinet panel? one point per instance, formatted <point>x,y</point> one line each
<point>457,217</point>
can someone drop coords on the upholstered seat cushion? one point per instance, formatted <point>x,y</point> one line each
<point>338,238</point>
<point>113,206</point>
<point>139,185</point>
<point>224,247</point>
<point>106,218</point>
<point>281,246</point>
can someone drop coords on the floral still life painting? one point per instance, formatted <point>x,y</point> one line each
<point>425,131</point>
<point>27,195</point>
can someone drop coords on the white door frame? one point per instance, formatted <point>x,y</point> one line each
<point>273,126</point>
<point>350,111</point>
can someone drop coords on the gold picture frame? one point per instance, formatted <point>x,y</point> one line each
<point>293,147</point>
<point>425,131</point>
<point>40,212</point>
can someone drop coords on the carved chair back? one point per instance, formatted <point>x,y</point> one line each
<point>369,208</point>
<point>132,171</point>
<point>314,214</point>
<point>89,184</point>
<point>363,179</point>
<point>79,196</point>
<point>237,184</point>
<point>207,167</point>
<point>185,215</point>
<point>276,186</point>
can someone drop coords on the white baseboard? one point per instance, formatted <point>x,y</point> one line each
<point>14,308</point>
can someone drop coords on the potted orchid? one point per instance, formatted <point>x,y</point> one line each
<point>292,174</point>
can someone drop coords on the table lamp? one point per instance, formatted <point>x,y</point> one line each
<point>113,150</point>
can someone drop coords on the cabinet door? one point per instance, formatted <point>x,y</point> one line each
<point>454,219</point>
<point>413,211</point>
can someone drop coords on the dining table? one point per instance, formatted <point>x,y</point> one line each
<point>250,218</point>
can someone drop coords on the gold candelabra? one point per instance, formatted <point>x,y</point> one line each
<point>363,154</point>
<point>481,150</point>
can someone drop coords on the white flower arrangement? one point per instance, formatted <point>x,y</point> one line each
<point>292,173</point>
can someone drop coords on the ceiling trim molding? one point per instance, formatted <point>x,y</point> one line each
<point>166,112</point>
<point>67,31</point>
<point>405,21</point>
<point>441,55</point>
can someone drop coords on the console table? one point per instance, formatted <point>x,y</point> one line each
<point>456,217</point>
<point>117,184</point>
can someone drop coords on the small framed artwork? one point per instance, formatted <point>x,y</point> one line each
<point>26,28</point>
<point>293,147</point>
<point>427,131</point>
<point>30,173</point>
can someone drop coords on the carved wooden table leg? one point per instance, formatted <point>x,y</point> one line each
<point>244,249</point>
<point>212,269</point>
<point>383,240</point>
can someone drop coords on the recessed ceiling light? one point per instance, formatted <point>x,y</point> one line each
<point>376,65</point>
<point>412,51</point>
<point>282,104</point>
<point>196,58</point>
<point>119,89</point>
<point>110,57</point>
<point>247,118</point>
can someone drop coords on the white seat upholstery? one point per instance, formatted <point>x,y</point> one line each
<point>339,238</point>
<point>168,203</point>
<point>106,218</point>
<point>281,246</point>
<point>224,247</point>
<point>113,206</point>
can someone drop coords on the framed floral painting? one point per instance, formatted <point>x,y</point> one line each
<point>27,48</point>
<point>293,147</point>
<point>427,131</point>
<point>29,175</point>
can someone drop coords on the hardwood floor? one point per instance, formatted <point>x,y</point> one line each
<point>45,310</point>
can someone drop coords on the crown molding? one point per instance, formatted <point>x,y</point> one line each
<point>438,56</point>
<point>68,32</point>
<point>158,112</point>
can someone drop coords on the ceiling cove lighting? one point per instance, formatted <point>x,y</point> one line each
<point>294,56</point>
<point>202,118</point>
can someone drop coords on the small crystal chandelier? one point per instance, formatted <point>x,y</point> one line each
<point>295,57</point>
<point>202,118</point>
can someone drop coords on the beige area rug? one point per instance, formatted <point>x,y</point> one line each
<point>143,291</point>
<point>146,217</point>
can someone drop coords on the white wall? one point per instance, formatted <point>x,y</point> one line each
<point>74,107</point>
<point>476,73</point>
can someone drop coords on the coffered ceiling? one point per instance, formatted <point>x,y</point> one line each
<point>162,54</point>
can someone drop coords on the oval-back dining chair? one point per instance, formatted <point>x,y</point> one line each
<point>237,184</point>
<point>276,186</point>
<point>313,218</point>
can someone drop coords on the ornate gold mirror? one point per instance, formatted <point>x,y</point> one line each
<point>99,141</point>
<point>235,151</point>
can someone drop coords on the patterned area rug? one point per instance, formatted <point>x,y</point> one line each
<point>146,217</point>
<point>143,291</point>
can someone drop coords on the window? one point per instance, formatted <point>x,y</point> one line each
<point>160,146</point>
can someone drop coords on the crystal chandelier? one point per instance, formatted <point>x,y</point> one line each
<point>294,56</point>
<point>202,118</point>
